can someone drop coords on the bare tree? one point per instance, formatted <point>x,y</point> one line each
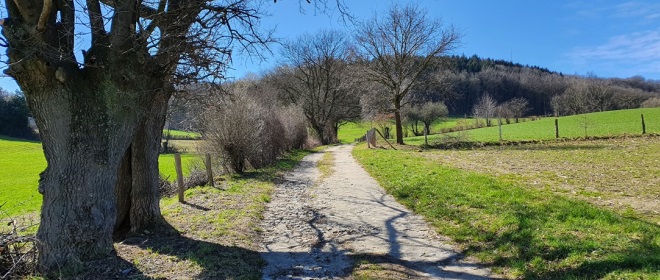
<point>599,94</point>
<point>400,46</point>
<point>514,108</point>
<point>317,78</point>
<point>426,113</point>
<point>485,108</point>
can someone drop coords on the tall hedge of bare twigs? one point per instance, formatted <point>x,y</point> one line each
<point>247,133</point>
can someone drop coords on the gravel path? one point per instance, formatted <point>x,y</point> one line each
<point>312,228</point>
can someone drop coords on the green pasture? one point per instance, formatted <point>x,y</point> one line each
<point>21,162</point>
<point>522,232</point>
<point>585,125</point>
<point>168,170</point>
<point>182,135</point>
<point>350,131</point>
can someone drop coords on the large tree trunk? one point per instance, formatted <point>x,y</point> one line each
<point>138,192</point>
<point>84,138</point>
<point>320,132</point>
<point>86,119</point>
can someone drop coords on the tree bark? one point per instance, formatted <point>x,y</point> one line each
<point>145,194</point>
<point>83,139</point>
<point>399,127</point>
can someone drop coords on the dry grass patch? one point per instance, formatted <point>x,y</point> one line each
<point>218,234</point>
<point>326,164</point>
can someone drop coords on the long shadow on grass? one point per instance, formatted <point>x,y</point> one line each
<point>217,261</point>
<point>596,255</point>
<point>559,147</point>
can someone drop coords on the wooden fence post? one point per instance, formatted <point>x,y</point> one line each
<point>366,138</point>
<point>556,128</point>
<point>209,170</point>
<point>499,123</point>
<point>179,175</point>
<point>643,125</point>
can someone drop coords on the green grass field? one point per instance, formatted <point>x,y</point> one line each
<point>522,232</point>
<point>182,135</point>
<point>21,162</point>
<point>350,131</point>
<point>593,124</point>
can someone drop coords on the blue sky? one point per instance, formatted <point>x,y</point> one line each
<point>607,38</point>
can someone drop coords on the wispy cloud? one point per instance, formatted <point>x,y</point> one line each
<point>646,11</point>
<point>638,50</point>
<point>639,46</point>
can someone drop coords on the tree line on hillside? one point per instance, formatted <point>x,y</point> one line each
<point>14,116</point>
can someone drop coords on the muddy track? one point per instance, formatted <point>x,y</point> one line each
<point>314,229</point>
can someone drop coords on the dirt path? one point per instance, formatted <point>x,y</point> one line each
<point>317,229</point>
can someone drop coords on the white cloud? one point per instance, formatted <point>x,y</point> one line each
<point>646,11</point>
<point>638,46</point>
<point>632,54</point>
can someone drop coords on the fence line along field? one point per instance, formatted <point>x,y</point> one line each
<point>589,125</point>
<point>21,161</point>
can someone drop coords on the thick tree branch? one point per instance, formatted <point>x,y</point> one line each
<point>96,20</point>
<point>123,23</point>
<point>45,13</point>
<point>26,9</point>
<point>145,11</point>
<point>68,13</point>
<point>154,20</point>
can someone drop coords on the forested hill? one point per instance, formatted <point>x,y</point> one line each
<point>464,80</point>
<point>475,64</point>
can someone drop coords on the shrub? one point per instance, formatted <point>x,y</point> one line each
<point>293,120</point>
<point>245,133</point>
<point>18,253</point>
<point>652,102</point>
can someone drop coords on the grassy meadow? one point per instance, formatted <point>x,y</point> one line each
<point>350,131</point>
<point>525,226</point>
<point>586,125</point>
<point>181,135</point>
<point>21,162</point>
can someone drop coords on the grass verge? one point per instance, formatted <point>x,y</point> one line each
<point>522,233</point>
<point>325,164</point>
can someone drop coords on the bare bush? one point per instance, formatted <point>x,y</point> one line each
<point>18,251</point>
<point>295,126</point>
<point>652,102</point>
<point>246,133</point>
